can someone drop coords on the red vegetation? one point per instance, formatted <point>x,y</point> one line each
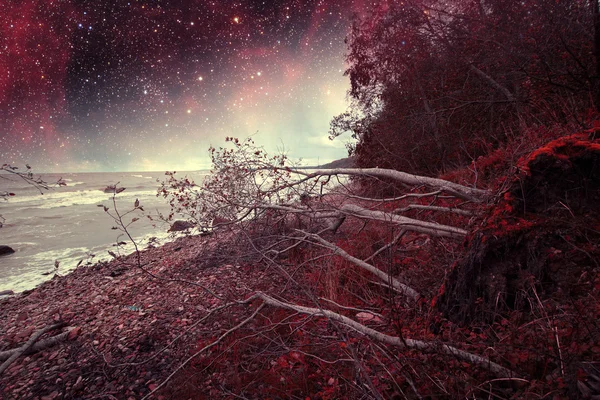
<point>532,261</point>
<point>434,90</point>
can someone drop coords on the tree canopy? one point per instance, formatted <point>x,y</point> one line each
<point>434,84</point>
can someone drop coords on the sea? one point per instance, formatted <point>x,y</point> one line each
<point>68,224</point>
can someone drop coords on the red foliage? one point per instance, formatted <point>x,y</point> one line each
<point>431,94</point>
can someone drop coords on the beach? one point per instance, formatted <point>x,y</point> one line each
<point>68,223</point>
<point>118,315</point>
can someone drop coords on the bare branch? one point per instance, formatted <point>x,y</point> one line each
<point>41,345</point>
<point>433,208</point>
<point>387,199</point>
<point>212,344</point>
<point>430,228</point>
<point>28,345</point>
<point>463,192</point>
<point>493,83</point>
<point>397,285</point>
<point>428,347</point>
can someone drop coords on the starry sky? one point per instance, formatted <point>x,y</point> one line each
<point>99,85</point>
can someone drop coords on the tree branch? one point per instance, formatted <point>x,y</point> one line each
<point>397,285</point>
<point>433,208</point>
<point>16,353</point>
<point>430,228</point>
<point>427,347</point>
<point>493,83</point>
<point>463,192</point>
<point>212,344</point>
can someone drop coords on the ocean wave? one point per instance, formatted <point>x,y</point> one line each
<point>49,256</point>
<point>74,198</point>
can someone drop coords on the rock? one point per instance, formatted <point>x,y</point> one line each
<point>368,317</point>
<point>113,189</point>
<point>7,293</point>
<point>22,316</point>
<point>51,396</point>
<point>78,384</point>
<point>6,250</point>
<point>180,225</point>
<point>73,333</point>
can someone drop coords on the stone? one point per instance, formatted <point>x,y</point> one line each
<point>4,250</point>
<point>7,293</point>
<point>78,384</point>
<point>180,225</point>
<point>368,317</point>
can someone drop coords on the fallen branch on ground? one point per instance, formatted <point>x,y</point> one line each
<point>41,345</point>
<point>428,347</point>
<point>16,353</point>
<point>212,344</point>
<point>415,225</point>
<point>396,285</point>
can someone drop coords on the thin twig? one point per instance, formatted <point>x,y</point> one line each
<point>212,344</point>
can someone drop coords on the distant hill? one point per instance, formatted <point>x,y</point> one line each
<point>348,162</point>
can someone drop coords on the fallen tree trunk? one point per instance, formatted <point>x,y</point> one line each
<point>428,347</point>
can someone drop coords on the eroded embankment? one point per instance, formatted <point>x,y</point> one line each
<point>543,232</point>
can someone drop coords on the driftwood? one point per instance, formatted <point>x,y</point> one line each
<point>31,346</point>
<point>424,346</point>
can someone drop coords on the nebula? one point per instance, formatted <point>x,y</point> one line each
<point>117,85</point>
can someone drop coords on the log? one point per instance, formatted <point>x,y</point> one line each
<point>424,346</point>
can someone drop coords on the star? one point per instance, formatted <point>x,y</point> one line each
<point>123,75</point>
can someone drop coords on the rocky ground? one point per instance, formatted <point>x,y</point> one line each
<point>523,289</point>
<point>123,318</point>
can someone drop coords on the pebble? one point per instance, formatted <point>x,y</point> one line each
<point>78,384</point>
<point>95,306</point>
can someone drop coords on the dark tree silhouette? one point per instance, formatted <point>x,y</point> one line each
<point>448,81</point>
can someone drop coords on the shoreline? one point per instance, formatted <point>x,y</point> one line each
<point>121,315</point>
<point>70,264</point>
